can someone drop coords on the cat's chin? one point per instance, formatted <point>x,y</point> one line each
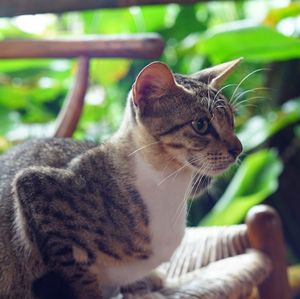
<point>218,171</point>
<point>212,171</point>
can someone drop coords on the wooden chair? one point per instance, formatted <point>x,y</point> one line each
<point>240,261</point>
<point>145,46</point>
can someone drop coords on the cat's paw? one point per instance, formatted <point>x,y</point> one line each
<point>154,295</point>
<point>150,284</point>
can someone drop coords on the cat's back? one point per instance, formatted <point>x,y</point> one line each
<point>53,152</point>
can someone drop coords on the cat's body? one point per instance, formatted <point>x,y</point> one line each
<point>105,216</point>
<point>18,267</point>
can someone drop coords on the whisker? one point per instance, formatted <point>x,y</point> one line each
<point>143,147</point>
<point>171,158</point>
<point>219,91</point>
<point>182,205</point>
<point>218,107</point>
<point>244,79</point>
<point>239,104</point>
<point>247,91</point>
<point>187,193</point>
<point>203,169</point>
<point>176,171</point>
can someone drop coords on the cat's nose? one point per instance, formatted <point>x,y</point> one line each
<point>236,148</point>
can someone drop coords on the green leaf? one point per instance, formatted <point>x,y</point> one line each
<point>258,128</point>
<point>108,71</point>
<point>255,180</point>
<point>108,21</point>
<point>150,18</point>
<point>255,43</point>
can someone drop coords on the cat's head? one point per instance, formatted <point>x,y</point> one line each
<point>188,116</point>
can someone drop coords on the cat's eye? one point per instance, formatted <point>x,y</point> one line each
<point>201,125</point>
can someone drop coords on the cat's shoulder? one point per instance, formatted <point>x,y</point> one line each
<point>54,152</point>
<point>42,144</point>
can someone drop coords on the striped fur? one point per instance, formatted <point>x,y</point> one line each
<point>84,219</point>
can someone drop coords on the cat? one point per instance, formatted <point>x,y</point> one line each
<point>99,217</point>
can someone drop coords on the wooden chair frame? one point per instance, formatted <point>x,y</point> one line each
<point>146,46</point>
<point>264,231</point>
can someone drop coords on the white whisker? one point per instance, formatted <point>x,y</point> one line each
<point>235,100</point>
<point>244,79</point>
<point>175,172</point>
<point>219,91</point>
<point>203,169</point>
<point>182,206</point>
<point>236,107</point>
<point>143,147</point>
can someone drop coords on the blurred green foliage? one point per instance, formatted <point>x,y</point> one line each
<point>254,181</point>
<point>196,36</point>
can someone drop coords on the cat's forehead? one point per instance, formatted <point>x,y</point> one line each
<point>190,83</point>
<point>203,97</point>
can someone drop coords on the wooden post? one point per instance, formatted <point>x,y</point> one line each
<point>70,113</point>
<point>265,234</point>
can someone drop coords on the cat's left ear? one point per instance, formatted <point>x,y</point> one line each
<point>154,81</point>
<point>216,75</point>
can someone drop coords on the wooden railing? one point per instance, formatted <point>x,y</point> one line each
<point>146,46</point>
<point>9,8</point>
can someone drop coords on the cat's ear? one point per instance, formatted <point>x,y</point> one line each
<point>155,80</point>
<point>216,75</point>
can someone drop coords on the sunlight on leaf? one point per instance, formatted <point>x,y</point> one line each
<point>254,43</point>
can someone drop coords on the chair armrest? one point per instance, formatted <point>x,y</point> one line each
<point>265,234</point>
<point>145,46</point>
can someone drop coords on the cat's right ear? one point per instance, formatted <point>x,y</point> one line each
<point>216,75</point>
<point>154,81</point>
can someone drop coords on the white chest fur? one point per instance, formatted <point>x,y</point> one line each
<point>163,193</point>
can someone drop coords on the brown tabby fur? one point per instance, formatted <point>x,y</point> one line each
<point>69,207</point>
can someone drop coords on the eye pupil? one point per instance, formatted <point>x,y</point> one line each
<point>201,126</point>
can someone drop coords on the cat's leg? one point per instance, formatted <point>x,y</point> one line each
<point>69,277</point>
<point>67,284</point>
<point>63,250</point>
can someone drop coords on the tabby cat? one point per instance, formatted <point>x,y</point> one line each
<point>94,218</point>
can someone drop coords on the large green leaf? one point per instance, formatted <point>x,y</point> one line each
<point>255,180</point>
<point>256,43</point>
<point>259,128</point>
